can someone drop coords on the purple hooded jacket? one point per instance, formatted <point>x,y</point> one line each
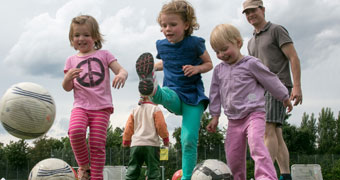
<point>239,88</point>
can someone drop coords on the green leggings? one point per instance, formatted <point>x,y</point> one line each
<point>190,125</point>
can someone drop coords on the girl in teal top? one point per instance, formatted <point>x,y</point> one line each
<point>183,59</point>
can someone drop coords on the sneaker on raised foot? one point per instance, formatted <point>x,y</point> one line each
<point>147,77</point>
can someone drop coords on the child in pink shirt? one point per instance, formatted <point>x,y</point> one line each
<point>87,74</point>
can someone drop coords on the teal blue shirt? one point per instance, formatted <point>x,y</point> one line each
<point>174,56</point>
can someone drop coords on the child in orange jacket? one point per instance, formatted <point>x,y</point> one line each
<point>142,130</point>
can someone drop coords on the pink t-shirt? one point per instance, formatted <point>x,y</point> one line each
<point>92,90</point>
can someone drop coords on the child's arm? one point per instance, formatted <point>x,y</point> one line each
<point>121,74</point>
<point>214,94</point>
<point>215,101</point>
<point>161,127</point>
<point>158,66</point>
<point>206,66</point>
<point>68,78</point>
<point>211,127</point>
<point>128,132</point>
<point>271,83</point>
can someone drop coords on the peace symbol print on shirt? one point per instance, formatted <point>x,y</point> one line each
<point>90,76</point>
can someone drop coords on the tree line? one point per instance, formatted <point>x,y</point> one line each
<point>315,138</point>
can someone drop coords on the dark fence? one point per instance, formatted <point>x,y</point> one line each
<point>120,156</point>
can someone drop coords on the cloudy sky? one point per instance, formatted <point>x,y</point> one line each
<point>35,46</point>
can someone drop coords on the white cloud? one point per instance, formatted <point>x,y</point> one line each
<point>40,47</point>
<point>127,39</point>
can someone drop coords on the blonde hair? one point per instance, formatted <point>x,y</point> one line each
<point>185,10</point>
<point>93,27</point>
<point>225,33</point>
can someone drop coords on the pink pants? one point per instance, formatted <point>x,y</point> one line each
<point>250,129</point>
<point>97,121</point>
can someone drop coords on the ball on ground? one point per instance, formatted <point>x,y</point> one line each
<point>177,175</point>
<point>212,169</point>
<point>52,169</point>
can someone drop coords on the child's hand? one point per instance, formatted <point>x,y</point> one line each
<point>190,70</point>
<point>211,127</point>
<point>288,105</point>
<point>120,75</point>
<point>126,143</point>
<point>119,81</point>
<point>68,78</point>
<point>72,73</point>
<point>166,143</point>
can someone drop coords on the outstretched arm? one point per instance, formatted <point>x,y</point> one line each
<point>121,75</point>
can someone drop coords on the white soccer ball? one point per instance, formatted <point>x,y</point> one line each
<point>52,169</point>
<point>27,110</point>
<point>212,169</point>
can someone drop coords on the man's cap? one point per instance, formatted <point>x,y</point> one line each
<point>250,4</point>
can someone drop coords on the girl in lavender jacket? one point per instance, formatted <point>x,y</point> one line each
<point>238,85</point>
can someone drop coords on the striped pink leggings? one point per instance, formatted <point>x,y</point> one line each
<point>97,121</point>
